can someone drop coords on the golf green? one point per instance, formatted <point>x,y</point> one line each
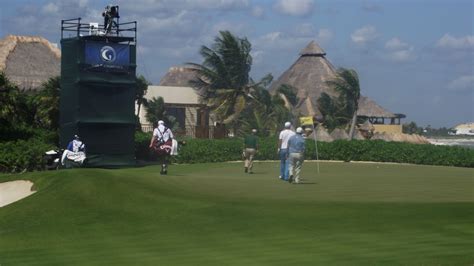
<point>214,214</point>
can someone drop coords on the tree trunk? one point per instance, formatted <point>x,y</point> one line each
<point>354,120</point>
<point>138,109</point>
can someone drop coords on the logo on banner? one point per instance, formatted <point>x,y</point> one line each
<point>107,54</point>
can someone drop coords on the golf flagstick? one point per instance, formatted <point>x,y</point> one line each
<point>316,146</point>
<point>308,120</point>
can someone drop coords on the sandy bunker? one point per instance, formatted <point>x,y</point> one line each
<point>14,191</point>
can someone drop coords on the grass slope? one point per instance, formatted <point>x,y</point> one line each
<point>213,214</point>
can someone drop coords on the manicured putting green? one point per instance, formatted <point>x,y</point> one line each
<point>214,214</point>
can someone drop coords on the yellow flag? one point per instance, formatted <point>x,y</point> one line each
<point>306,120</point>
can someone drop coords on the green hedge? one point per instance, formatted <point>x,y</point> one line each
<point>205,150</point>
<point>21,155</point>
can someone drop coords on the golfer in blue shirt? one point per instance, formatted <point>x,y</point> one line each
<point>296,148</point>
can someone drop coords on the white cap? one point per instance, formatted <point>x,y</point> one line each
<point>299,130</point>
<point>287,125</point>
<point>161,122</point>
<point>254,130</point>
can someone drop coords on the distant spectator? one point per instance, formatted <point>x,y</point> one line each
<point>250,149</point>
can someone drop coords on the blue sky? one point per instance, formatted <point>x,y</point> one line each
<point>413,57</point>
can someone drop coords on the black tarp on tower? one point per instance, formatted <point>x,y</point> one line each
<point>97,97</point>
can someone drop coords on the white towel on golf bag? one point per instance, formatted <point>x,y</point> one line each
<point>174,148</point>
<point>77,157</point>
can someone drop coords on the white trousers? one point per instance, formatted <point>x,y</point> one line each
<point>296,162</point>
<point>249,154</point>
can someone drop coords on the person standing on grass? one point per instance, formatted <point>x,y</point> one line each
<point>285,135</point>
<point>296,149</point>
<point>250,149</point>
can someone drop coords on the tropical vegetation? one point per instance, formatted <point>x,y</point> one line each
<point>155,110</point>
<point>223,150</point>
<point>342,110</point>
<point>224,84</point>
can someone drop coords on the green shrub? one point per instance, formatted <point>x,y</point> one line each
<point>20,155</point>
<point>221,150</point>
<point>398,152</point>
<point>21,132</point>
<point>142,141</point>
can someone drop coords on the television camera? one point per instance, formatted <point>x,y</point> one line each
<point>111,16</point>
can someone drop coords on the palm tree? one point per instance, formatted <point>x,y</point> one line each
<point>47,104</point>
<point>347,84</point>
<point>223,79</point>
<point>155,110</point>
<point>8,100</point>
<point>266,112</point>
<point>140,91</point>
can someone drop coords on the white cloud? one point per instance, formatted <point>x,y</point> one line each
<point>305,30</point>
<point>272,36</point>
<point>299,8</point>
<point>450,42</point>
<point>364,35</point>
<point>396,44</point>
<point>258,12</point>
<point>181,25</point>
<point>399,51</point>
<point>180,5</point>
<point>463,83</point>
<point>402,55</point>
<point>372,7</point>
<point>238,29</point>
<point>324,36</point>
<point>50,8</point>
<point>308,31</point>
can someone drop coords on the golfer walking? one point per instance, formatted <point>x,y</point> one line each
<point>250,149</point>
<point>296,148</point>
<point>285,135</point>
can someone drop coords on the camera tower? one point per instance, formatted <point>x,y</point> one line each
<point>98,81</point>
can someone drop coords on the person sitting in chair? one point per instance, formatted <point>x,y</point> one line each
<point>75,151</point>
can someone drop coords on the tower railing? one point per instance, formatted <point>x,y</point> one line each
<point>75,27</point>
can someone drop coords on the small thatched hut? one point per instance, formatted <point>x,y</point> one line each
<point>339,133</point>
<point>29,61</point>
<point>178,77</point>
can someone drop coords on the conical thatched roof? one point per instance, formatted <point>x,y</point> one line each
<point>339,133</point>
<point>312,49</point>
<point>323,135</point>
<point>358,135</point>
<point>29,61</point>
<point>370,108</point>
<point>308,75</point>
<point>178,77</point>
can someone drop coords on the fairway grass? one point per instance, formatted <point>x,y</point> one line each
<point>214,214</point>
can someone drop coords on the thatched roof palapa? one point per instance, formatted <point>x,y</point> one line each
<point>369,108</point>
<point>308,75</point>
<point>178,77</point>
<point>339,133</point>
<point>29,61</point>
